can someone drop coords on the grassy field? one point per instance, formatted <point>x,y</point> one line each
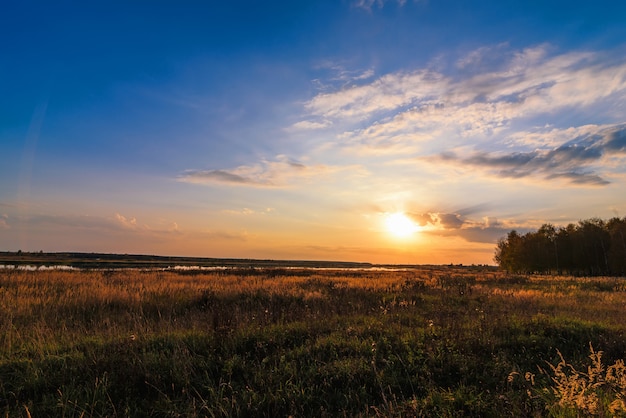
<point>278,342</point>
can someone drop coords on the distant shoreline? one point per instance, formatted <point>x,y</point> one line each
<point>119,261</point>
<point>103,260</point>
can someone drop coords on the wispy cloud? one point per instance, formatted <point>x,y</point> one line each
<point>575,161</point>
<point>548,137</point>
<point>281,172</point>
<point>389,92</point>
<point>224,176</point>
<point>368,4</point>
<point>475,102</point>
<point>340,72</point>
<point>309,125</point>
<point>337,75</point>
<point>4,222</point>
<point>163,226</point>
<point>130,223</point>
<point>248,211</point>
<point>483,57</point>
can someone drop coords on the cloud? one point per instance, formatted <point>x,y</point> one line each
<point>482,233</point>
<point>280,172</point>
<point>389,92</point>
<point>438,220</point>
<point>306,125</point>
<point>220,176</point>
<point>422,219</point>
<point>336,75</point>
<point>449,220</point>
<point>4,224</point>
<point>493,90</point>
<point>483,57</point>
<point>339,72</point>
<point>126,222</point>
<point>584,179</point>
<point>615,141</point>
<point>162,228</point>
<point>486,230</point>
<point>574,161</point>
<point>480,228</point>
<point>248,211</point>
<point>367,4</point>
<point>548,137</point>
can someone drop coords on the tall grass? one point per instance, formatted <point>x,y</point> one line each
<point>253,342</point>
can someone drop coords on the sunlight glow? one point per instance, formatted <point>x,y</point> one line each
<point>400,225</point>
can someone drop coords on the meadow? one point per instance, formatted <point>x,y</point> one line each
<point>430,341</point>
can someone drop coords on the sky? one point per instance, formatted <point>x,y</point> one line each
<point>384,131</point>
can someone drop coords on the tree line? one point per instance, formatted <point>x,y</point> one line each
<point>592,247</point>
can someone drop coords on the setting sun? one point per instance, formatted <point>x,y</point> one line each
<point>400,225</point>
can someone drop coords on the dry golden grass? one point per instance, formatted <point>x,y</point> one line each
<point>431,328</point>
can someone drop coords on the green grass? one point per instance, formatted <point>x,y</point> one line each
<point>432,342</point>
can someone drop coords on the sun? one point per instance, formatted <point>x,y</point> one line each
<point>399,225</point>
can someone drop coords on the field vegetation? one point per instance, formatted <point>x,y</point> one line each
<point>438,341</point>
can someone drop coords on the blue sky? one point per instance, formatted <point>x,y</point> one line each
<point>297,129</point>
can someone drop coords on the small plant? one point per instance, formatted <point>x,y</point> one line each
<point>598,392</point>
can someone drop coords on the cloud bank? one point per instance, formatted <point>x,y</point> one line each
<point>519,110</point>
<point>461,223</point>
<point>575,161</point>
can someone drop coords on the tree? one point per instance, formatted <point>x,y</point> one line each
<point>591,247</point>
<point>617,253</point>
<point>508,252</point>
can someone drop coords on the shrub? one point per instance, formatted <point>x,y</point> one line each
<point>598,392</point>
